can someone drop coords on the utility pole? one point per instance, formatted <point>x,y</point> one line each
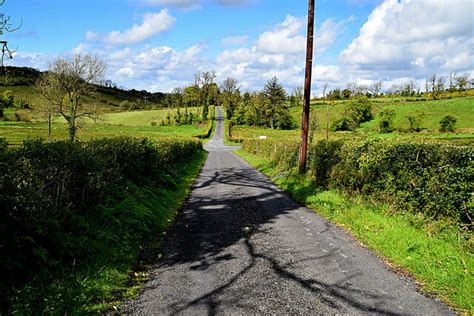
<point>307,88</point>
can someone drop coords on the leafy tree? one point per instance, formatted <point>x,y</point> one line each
<point>342,124</point>
<point>447,124</point>
<point>360,111</point>
<point>386,117</point>
<point>66,84</point>
<point>191,96</point>
<point>275,112</point>
<point>8,98</point>
<point>346,93</point>
<point>415,121</point>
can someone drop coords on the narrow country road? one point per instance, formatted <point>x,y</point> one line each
<point>243,246</point>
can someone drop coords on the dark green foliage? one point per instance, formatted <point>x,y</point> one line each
<point>18,76</point>
<point>447,124</point>
<point>323,156</point>
<point>386,117</point>
<point>266,109</point>
<point>415,121</point>
<point>342,124</point>
<point>434,179</point>
<point>360,111</point>
<point>64,203</point>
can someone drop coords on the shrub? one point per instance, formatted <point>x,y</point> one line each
<point>386,117</point>
<point>343,124</point>
<point>323,156</point>
<point>434,179</point>
<point>8,98</point>
<point>56,197</point>
<point>415,121</point>
<point>447,124</point>
<point>360,111</point>
<point>22,116</point>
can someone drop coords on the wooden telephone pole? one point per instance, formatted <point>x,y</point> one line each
<point>307,88</point>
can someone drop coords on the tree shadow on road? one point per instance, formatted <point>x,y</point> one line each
<point>208,226</point>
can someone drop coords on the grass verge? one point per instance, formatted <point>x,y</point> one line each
<point>438,255</point>
<point>101,284</point>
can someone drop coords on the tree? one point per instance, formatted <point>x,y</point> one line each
<point>375,88</point>
<point>274,108</point>
<point>447,124</point>
<point>462,81</point>
<point>204,82</point>
<point>230,96</point>
<point>66,84</point>
<point>386,117</point>
<point>360,111</point>
<point>6,26</point>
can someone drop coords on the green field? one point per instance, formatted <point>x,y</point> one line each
<point>433,110</point>
<point>135,123</point>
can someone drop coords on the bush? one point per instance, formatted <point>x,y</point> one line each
<point>58,201</point>
<point>415,121</point>
<point>386,117</point>
<point>447,124</point>
<point>434,179</point>
<point>22,116</point>
<point>343,124</point>
<point>323,156</point>
<point>360,111</point>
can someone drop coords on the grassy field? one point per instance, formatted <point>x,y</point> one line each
<point>134,123</point>
<point>144,118</point>
<point>438,256</point>
<point>433,110</point>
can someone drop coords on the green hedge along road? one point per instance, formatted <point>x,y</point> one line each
<point>243,246</point>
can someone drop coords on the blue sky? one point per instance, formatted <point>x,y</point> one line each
<point>159,44</point>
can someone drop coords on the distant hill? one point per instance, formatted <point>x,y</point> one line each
<point>21,80</point>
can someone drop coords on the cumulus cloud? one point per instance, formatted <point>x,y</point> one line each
<point>286,38</point>
<point>414,38</point>
<point>153,24</point>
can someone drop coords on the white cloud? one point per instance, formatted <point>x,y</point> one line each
<point>415,38</point>
<point>286,38</point>
<point>81,48</point>
<point>153,24</point>
<point>235,40</point>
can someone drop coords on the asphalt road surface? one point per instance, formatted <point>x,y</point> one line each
<point>243,246</point>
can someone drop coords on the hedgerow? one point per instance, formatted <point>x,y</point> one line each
<point>64,203</point>
<point>434,179</point>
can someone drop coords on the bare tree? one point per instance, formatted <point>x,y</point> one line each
<point>352,87</point>
<point>230,96</point>
<point>203,82</point>
<point>452,81</point>
<point>375,88</point>
<point>6,26</point>
<point>462,81</point>
<point>66,84</point>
